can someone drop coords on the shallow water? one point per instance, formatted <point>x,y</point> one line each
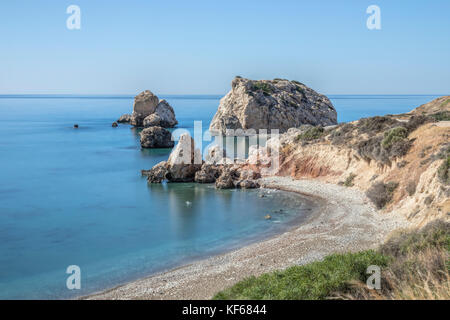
<point>75,196</point>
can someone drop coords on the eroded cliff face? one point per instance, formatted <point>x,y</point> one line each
<point>271,104</point>
<point>401,165</point>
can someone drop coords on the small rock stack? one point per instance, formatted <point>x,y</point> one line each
<point>154,114</point>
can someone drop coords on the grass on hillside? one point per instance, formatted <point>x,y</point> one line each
<point>415,265</point>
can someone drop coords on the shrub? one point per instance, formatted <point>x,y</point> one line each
<point>444,171</point>
<point>311,134</point>
<point>416,121</point>
<point>317,280</point>
<point>441,116</point>
<point>394,135</point>
<point>411,187</point>
<point>265,87</point>
<point>376,124</point>
<point>381,194</point>
<point>349,181</point>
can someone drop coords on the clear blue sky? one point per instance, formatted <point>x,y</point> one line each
<point>195,47</point>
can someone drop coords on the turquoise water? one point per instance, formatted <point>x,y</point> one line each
<point>76,197</point>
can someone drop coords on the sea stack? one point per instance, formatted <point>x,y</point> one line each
<point>149,111</point>
<point>271,104</point>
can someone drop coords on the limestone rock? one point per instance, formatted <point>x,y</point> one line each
<point>184,161</point>
<point>208,173</point>
<point>125,118</point>
<point>149,111</point>
<point>157,174</point>
<point>215,155</point>
<point>156,137</point>
<point>275,104</point>
<point>164,116</point>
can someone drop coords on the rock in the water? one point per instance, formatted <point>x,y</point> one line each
<point>149,111</point>
<point>157,174</point>
<point>115,125</point>
<point>184,161</point>
<point>164,116</point>
<point>145,103</point>
<point>275,104</point>
<point>75,126</point>
<point>156,137</point>
<point>125,118</point>
<point>225,182</point>
<point>247,184</point>
<point>208,173</point>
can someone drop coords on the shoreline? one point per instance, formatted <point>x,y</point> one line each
<point>344,220</point>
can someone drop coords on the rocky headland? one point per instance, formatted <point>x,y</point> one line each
<point>369,177</point>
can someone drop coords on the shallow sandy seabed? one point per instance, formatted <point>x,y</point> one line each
<point>344,220</point>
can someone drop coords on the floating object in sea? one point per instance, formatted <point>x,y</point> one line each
<point>188,203</point>
<point>114,124</point>
<point>75,126</point>
<point>267,217</point>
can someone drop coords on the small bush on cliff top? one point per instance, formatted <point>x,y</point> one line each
<point>444,171</point>
<point>393,135</point>
<point>381,194</point>
<point>311,134</point>
<point>263,86</point>
<point>441,116</point>
<point>349,181</point>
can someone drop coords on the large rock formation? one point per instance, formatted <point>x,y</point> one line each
<point>149,111</point>
<point>156,137</point>
<point>277,104</point>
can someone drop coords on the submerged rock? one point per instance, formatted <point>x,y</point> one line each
<point>276,104</point>
<point>156,137</point>
<point>115,125</point>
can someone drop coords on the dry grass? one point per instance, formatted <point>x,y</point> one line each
<point>419,270</point>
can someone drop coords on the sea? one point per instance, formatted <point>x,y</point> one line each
<point>76,197</point>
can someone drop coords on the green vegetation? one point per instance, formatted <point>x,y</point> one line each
<point>441,116</point>
<point>310,134</point>
<point>415,265</point>
<point>317,280</point>
<point>444,171</point>
<point>393,135</point>
<point>446,102</point>
<point>265,87</point>
<point>381,193</point>
<point>349,181</point>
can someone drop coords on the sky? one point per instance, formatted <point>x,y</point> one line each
<point>198,47</point>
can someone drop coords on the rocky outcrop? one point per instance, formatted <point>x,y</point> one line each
<point>208,173</point>
<point>125,118</point>
<point>149,111</point>
<point>157,174</point>
<point>164,116</point>
<point>156,137</point>
<point>277,104</point>
<point>184,161</point>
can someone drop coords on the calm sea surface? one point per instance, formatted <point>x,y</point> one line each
<point>76,197</point>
